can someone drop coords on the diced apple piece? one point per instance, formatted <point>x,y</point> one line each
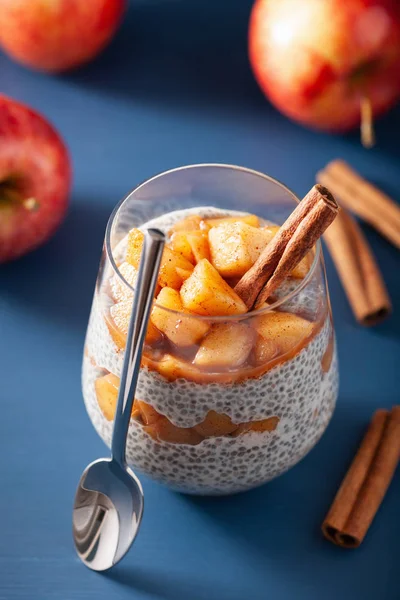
<point>180,245</point>
<point>184,273</point>
<point>269,424</point>
<point>151,430</point>
<point>148,413</point>
<point>301,270</point>
<point>119,289</point>
<point>181,330</point>
<point>173,368</point>
<point>226,345</point>
<point>107,388</point>
<point>215,425</point>
<point>169,276</point>
<point>242,428</point>
<point>234,247</point>
<point>198,241</point>
<point>107,393</point>
<point>119,322</point>
<point>252,220</point>
<point>206,293</point>
<point>272,230</point>
<point>165,431</point>
<point>118,337</point>
<point>136,413</point>
<point>286,330</point>
<point>134,250</point>
<point>191,223</point>
<point>264,350</point>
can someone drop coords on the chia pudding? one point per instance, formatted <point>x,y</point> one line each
<point>226,400</point>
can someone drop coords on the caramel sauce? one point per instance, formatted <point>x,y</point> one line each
<point>173,365</point>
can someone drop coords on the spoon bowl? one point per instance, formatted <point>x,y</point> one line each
<point>108,509</point>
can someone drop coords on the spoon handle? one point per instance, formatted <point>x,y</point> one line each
<point>142,304</point>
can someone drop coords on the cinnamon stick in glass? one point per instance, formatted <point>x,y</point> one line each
<point>358,270</point>
<point>295,238</point>
<point>366,481</point>
<point>363,198</point>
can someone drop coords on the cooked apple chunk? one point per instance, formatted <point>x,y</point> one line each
<point>264,350</point>
<point>181,330</point>
<point>120,314</point>
<point>134,249</point>
<point>301,270</point>
<point>226,345</point>
<point>206,293</point>
<point>165,431</point>
<point>215,425</point>
<point>234,247</point>
<point>269,424</point>
<point>119,289</point>
<point>170,261</point>
<point>180,245</point>
<point>148,414</point>
<point>107,393</point>
<point>191,223</point>
<point>252,220</point>
<point>198,241</point>
<point>285,330</point>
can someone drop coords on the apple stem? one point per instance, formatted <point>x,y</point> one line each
<point>367,123</point>
<point>31,204</point>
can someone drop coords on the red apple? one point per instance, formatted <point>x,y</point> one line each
<point>57,35</point>
<point>35,178</point>
<point>317,59</point>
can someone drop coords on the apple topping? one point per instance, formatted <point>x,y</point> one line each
<point>192,245</point>
<point>181,330</point>
<point>215,425</point>
<point>165,431</point>
<point>119,289</point>
<point>252,220</point>
<point>301,270</point>
<point>226,345</point>
<point>191,223</point>
<point>148,414</point>
<point>235,247</point>
<point>198,241</point>
<point>180,245</point>
<point>206,293</point>
<point>120,315</point>
<point>134,249</point>
<point>285,330</point>
<point>265,350</point>
<point>269,424</point>
<point>107,393</point>
<point>168,276</point>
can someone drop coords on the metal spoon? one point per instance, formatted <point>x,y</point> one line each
<point>108,503</point>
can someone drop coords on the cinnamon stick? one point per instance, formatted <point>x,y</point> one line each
<point>363,198</point>
<point>366,482</point>
<point>358,270</point>
<point>295,238</point>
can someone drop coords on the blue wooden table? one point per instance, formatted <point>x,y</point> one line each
<point>175,88</point>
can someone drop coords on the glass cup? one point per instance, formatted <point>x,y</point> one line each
<point>223,403</point>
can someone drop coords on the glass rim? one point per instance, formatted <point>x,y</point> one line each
<point>218,318</point>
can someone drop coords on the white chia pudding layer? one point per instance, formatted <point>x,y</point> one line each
<point>297,391</point>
